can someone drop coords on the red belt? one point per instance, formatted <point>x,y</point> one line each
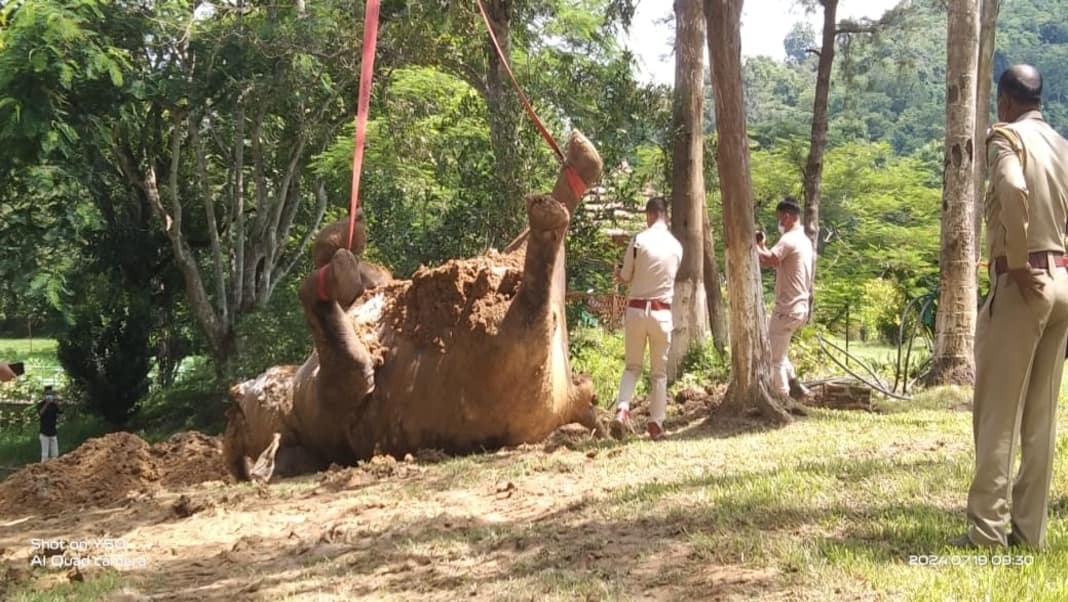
<point>1039,260</point>
<point>653,305</point>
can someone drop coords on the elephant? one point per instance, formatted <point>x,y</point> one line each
<point>469,355</point>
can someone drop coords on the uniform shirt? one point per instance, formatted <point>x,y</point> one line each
<point>49,415</point>
<point>1027,203</point>
<point>793,276</point>
<point>650,264</point>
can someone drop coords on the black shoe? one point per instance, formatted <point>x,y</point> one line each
<point>799,391</point>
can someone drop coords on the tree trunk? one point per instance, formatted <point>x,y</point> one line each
<point>750,387</point>
<point>503,110</point>
<point>987,30</point>
<point>717,317</point>
<point>689,308</point>
<point>955,323</point>
<point>818,140</point>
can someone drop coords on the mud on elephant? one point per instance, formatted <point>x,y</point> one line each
<point>469,355</point>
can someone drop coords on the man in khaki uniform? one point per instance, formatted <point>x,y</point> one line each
<point>1023,326</point>
<point>649,267</point>
<point>792,257</point>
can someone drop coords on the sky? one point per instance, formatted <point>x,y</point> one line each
<point>764,25</point>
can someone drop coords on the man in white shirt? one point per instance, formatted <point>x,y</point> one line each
<point>649,267</point>
<point>792,257</point>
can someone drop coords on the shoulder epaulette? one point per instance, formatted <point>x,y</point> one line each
<point>1011,137</point>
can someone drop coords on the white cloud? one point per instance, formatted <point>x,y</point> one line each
<point>764,25</point>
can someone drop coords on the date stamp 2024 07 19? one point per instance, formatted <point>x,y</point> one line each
<point>939,560</point>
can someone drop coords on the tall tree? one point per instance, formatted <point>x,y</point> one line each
<point>953,362</point>
<point>717,314</point>
<point>818,138</point>
<point>750,385</point>
<point>452,37</point>
<point>689,308</point>
<point>987,34</point>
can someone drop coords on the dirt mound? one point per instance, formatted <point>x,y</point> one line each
<point>109,469</point>
<point>463,295</point>
<point>189,458</point>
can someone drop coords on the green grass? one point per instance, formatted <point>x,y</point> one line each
<point>840,505</point>
<point>94,588</point>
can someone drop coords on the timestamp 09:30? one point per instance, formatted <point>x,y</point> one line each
<point>935,560</point>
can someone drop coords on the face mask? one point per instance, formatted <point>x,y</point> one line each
<point>49,397</point>
<point>782,228</point>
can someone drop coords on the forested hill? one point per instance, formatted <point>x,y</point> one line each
<point>890,85</point>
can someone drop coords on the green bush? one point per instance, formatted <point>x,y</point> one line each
<point>880,309</point>
<point>805,355</point>
<point>105,351</point>
<point>599,353</point>
<point>702,366</point>
<point>277,334</point>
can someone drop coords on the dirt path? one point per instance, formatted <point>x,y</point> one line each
<point>541,522</point>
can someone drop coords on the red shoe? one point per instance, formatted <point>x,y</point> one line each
<point>620,424</point>
<point>655,432</point>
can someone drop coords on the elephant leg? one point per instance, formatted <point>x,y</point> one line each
<point>263,468</point>
<point>549,219</point>
<point>582,399</point>
<point>343,360</point>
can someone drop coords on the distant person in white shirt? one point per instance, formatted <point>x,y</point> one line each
<point>792,257</point>
<point>649,267</point>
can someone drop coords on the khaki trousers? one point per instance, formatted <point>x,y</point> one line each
<point>641,325</point>
<point>1019,359</point>
<point>781,328</point>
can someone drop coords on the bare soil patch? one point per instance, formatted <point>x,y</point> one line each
<point>109,470</point>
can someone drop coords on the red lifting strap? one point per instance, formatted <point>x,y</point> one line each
<point>370,41</point>
<point>573,179</point>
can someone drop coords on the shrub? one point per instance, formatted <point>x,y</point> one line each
<point>105,351</point>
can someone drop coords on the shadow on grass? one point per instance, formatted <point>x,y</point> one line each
<point>736,538</point>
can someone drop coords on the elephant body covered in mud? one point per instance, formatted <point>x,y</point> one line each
<point>472,354</point>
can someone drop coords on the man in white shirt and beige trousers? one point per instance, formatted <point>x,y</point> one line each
<point>1022,328</point>
<point>792,257</point>
<point>649,267</point>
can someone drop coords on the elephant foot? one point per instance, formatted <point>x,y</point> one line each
<point>261,470</point>
<point>546,213</point>
<point>338,280</point>
<point>336,236</point>
<point>583,398</point>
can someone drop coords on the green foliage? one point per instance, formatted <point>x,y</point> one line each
<point>805,354</point>
<point>276,335</point>
<point>880,310</point>
<point>599,353</point>
<point>701,366</point>
<point>105,351</point>
<point>196,401</point>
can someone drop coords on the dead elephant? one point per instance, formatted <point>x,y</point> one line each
<point>469,355</point>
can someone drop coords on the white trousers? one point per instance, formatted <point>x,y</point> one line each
<point>49,447</point>
<point>781,328</point>
<point>654,326</point>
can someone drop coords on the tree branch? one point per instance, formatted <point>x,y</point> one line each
<point>183,256</point>
<point>213,228</point>
<point>237,234</point>
<point>313,228</point>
